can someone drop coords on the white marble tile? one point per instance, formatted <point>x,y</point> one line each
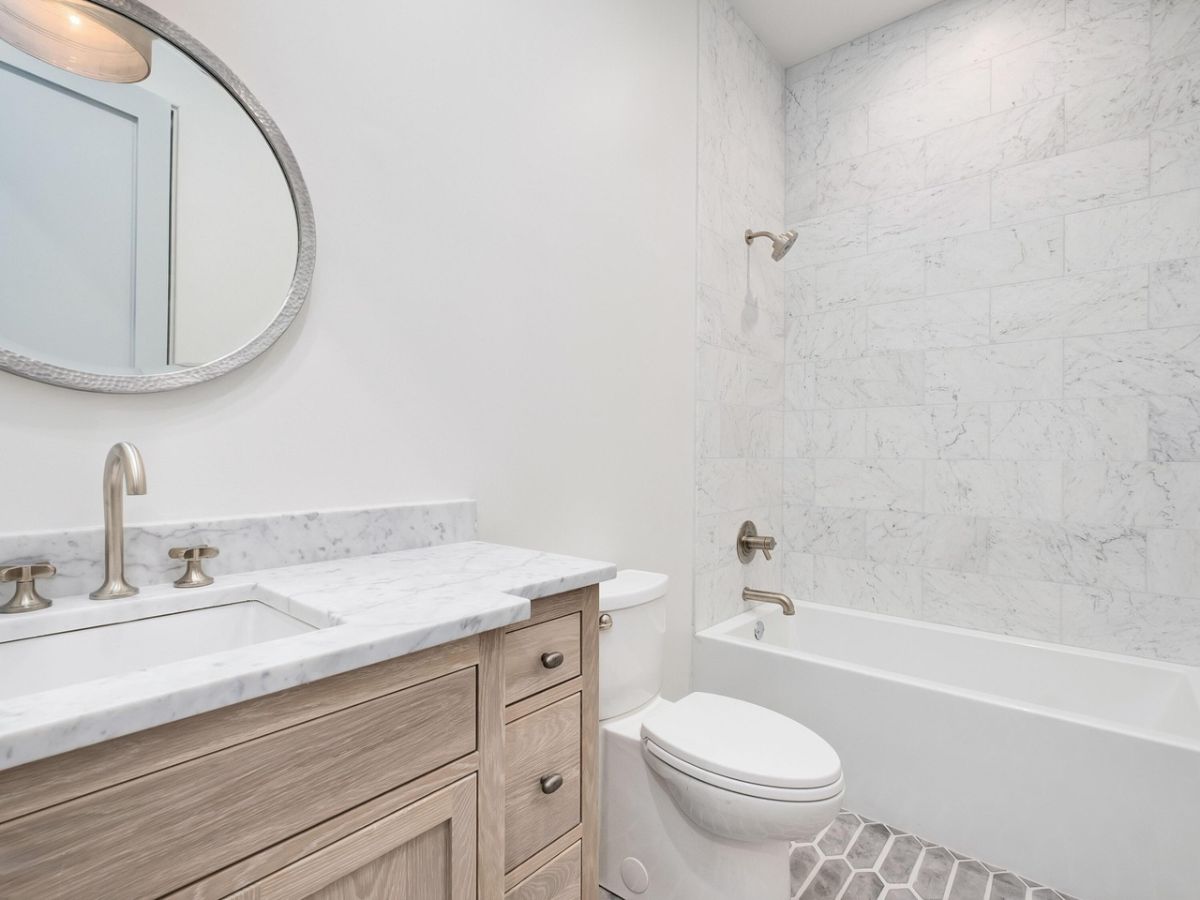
<point>894,380</point>
<point>941,103</point>
<point>1095,303</point>
<point>1129,105</point>
<point>1007,138</point>
<point>930,215</point>
<point>1094,50</point>
<point>1176,28</point>
<point>1174,428</point>
<point>837,433</point>
<point>827,238</point>
<point>870,484</point>
<point>1134,494</point>
<point>799,481</point>
<point>1144,231</point>
<point>857,78</point>
<point>827,138</point>
<point>873,587</point>
<point>1105,175</point>
<point>718,264</point>
<point>1175,293</point>
<point>1102,555</point>
<point>1175,158</point>
<point>890,172</point>
<point>936,541</point>
<point>246,544</point>
<point>1100,429</point>
<point>1149,625</point>
<point>1027,609</point>
<point>827,335</point>
<point>799,386</point>
<point>1080,12</point>
<point>798,576</point>
<point>826,530</point>
<point>751,433</point>
<point>1000,372</point>
<point>800,291</point>
<point>928,432</point>
<point>1163,361</point>
<point>1000,256</point>
<point>1173,562</point>
<point>1021,490</point>
<point>371,608</point>
<point>921,21</point>
<point>989,29</point>
<point>867,280</point>
<point>949,320</point>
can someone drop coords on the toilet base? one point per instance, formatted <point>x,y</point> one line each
<point>650,851</point>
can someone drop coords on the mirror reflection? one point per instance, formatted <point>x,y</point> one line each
<point>145,224</point>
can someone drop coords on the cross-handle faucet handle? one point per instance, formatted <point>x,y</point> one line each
<point>26,597</point>
<point>194,576</point>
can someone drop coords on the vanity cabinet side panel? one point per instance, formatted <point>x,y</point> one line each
<point>589,750</point>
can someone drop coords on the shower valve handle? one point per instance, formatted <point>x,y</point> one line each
<point>749,542</point>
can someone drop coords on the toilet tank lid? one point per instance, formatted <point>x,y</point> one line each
<point>631,587</point>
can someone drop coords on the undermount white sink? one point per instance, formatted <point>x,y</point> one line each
<point>76,652</point>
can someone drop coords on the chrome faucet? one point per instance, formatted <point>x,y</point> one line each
<point>124,473</point>
<point>750,595</point>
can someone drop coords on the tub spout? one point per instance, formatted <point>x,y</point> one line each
<point>750,595</point>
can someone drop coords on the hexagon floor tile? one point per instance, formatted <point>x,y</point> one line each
<point>857,859</point>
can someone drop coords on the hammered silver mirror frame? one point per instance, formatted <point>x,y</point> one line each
<point>37,370</point>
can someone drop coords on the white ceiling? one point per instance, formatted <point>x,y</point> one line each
<point>796,30</point>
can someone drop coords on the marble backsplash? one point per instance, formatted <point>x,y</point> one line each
<point>246,544</point>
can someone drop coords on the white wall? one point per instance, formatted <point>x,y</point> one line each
<point>994,320</point>
<point>503,305</point>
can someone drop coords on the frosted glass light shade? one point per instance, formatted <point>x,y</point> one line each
<point>79,37</point>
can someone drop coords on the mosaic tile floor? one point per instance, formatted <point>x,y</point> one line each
<point>857,859</point>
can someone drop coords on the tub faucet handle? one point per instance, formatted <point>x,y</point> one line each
<point>749,542</point>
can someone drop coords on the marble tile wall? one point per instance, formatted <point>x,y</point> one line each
<point>991,411</point>
<point>246,544</point>
<point>740,309</point>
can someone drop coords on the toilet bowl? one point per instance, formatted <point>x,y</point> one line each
<point>700,798</point>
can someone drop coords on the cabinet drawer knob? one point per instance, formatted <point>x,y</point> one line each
<point>552,660</point>
<point>606,622</point>
<point>551,783</point>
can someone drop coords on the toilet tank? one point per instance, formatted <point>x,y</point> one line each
<point>631,651</point>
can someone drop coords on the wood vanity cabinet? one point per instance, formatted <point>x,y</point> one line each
<point>464,771</point>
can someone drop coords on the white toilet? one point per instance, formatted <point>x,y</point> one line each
<point>700,798</point>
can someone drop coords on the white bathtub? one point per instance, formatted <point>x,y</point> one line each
<point>1075,768</point>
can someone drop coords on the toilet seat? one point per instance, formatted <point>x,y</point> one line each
<point>741,747</point>
<point>746,788</point>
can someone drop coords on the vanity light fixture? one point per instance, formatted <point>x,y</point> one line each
<point>79,37</point>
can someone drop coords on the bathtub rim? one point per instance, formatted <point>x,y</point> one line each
<point>722,631</point>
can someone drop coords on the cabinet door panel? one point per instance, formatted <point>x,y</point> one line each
<point>423,852</point>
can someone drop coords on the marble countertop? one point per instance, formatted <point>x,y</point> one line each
<point>363,610</point>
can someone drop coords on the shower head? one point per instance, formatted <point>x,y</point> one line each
<point>780,243</point>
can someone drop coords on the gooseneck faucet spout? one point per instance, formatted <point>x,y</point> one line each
<point>750,595</point>
<point>124,473</point>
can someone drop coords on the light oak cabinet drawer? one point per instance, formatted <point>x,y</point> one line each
<point>558,879</point>
<point>423,852</point>
<point>540,656</point>
<point>542,779</point>
<point>180,824</point>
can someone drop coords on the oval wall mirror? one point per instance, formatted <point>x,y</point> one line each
<point>155,231</point>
